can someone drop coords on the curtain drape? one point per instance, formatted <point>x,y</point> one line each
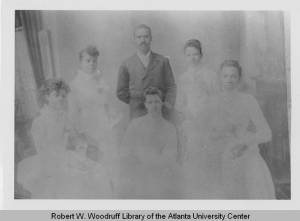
<point>28,77</point>
<point>31,21</point>
<point>264,59</point>
<point>26,84</point>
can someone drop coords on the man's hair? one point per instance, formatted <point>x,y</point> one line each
<point>142,26</point>
<point>91,50</point>
<point>153,91</point>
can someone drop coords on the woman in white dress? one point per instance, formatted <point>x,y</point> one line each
<point>195,86</point>
<point>89,110</point>
<point>235,126</point>
<point>148,167</point>
<point>47,173</point>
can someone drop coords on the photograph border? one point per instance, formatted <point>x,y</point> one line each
<point>7,128</point>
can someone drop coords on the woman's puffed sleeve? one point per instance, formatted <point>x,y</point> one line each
<point>262,132</point>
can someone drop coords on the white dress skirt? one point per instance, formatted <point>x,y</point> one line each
<point>56,173</point>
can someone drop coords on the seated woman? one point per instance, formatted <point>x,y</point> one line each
<point>235,126</point>
<point>41,173</point>
<point>148,167</point>
<point>55,172</point>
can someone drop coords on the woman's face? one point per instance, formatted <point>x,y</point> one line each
<point>88,63</point>
<point>57,99</point>
<point>193,56</point>
<point>153,104</point>
<point>229,77</point>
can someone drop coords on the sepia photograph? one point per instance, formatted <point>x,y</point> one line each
<point>152,105</point>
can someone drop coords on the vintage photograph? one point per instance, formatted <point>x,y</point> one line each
<point>152,105</point>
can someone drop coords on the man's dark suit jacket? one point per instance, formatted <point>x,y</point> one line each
<point>134,78</point>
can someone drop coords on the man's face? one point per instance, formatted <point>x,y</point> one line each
<point>143,39</point>
<point>153,104</point>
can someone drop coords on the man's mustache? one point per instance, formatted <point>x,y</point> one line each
<point>143,43</point>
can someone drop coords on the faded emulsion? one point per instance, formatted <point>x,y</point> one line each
<point>152,105</point>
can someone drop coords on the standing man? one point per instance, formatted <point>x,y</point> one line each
<point>143,69</point>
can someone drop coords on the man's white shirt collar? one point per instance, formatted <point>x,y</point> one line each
<point>145,59</point>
